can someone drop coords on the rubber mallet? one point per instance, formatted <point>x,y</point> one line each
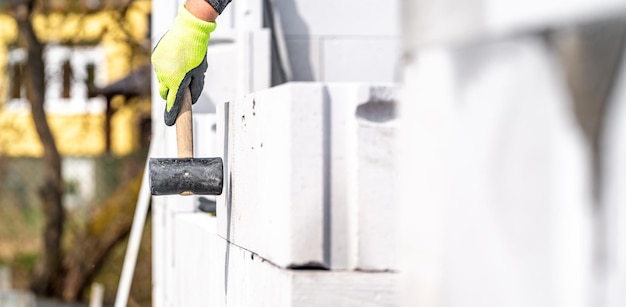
<point>186,175</point>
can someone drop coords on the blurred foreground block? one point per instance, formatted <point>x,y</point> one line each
<point>495,203</point>
<point>454,22</point>
<point>14,298</point>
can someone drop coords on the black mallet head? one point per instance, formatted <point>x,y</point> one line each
<point>200,176</point>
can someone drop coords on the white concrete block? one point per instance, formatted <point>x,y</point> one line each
<point>158,253</point>
<point>212,272</point>
<point>249,14</point>
<point>204,135</point>
<point>200,261</point>
<point>339,18</point>
<point>362,176</point>
<point>243,278</point>
<point>342,178</point>
<point>376,206</point>
<point>226,26</point>
<point>236,66</point>
<point>495,190</point>
<point>261,57</point>
<point>376,179</point>
<point>297,162</point>
<point>323,288</point>
<point>193,251</point>
<point>164,12</point>
<point>253,61</point>
<point>219,79</point>
<point>359,59</point>
<point>253,281</point>
<point>171,206</point>
<point>274,202</point>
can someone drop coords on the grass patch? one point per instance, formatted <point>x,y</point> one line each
<point>21,265</point>
<point>25,261</point>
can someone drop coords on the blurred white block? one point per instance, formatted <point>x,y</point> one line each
<point>97,295</point>
<point>341,59</point>
<point>339,18</point>
<point>614,193</point>
<point>359,59</point>
<point>304,57</point>
<point>6,278</point>
<point>495,202</point>
<point>17,298</point>
<point>454,22</point>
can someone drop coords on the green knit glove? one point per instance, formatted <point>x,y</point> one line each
<point>179,60</point>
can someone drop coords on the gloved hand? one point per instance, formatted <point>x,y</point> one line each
<point>179,60</point>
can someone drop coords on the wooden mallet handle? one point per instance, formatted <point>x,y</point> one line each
<point>184,128</point>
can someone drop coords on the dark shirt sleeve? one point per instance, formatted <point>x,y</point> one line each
<point>218,5</point>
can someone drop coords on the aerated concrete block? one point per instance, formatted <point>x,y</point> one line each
<point>193,259</point>
<point>273,203</point>
<point>251,280</point>
<point>376,178</point>
<point>213,272</point>
<point>309,175</point>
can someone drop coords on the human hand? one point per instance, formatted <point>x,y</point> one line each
<point>179,61</point>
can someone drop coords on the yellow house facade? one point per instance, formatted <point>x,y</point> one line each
<point>83,49</point>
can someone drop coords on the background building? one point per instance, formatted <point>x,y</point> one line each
<point>87,50</point>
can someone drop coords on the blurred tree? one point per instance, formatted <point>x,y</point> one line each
<point>48,270</point>
<point>59,273</point>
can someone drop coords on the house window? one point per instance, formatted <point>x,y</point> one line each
<point>16,73</point>
<point>66,89</point>
<point>90,68</point>
<point>16,70</point>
